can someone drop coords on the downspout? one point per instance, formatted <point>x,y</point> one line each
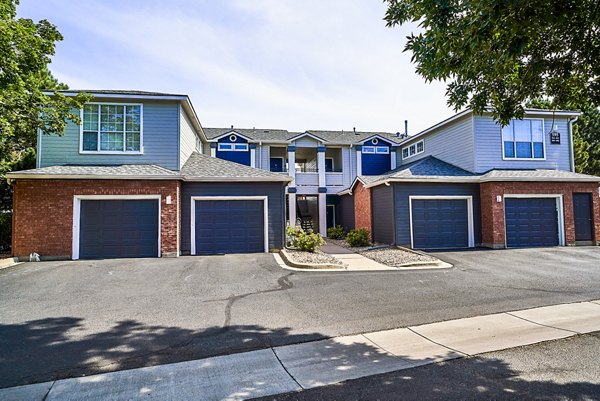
<point>572,151</point>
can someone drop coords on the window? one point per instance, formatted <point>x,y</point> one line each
<point>233,147</point>
<point>376,149</point>
<point>523,139</point>
<point>329,164</point>
<point>412,150</point>
<point>111,128</point>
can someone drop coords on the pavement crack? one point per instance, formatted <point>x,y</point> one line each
<point>286,370</point>
<point>541,324</point>
<point>441,345</point>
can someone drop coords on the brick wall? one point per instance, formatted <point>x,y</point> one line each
<point>492,212</point>
<point>362,207</point>
<point>43,212</point>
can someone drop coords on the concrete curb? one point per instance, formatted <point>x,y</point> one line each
<point>308,266</point>
<point>9,262</point>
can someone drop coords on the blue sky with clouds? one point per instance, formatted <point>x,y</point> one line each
<point>288,64</point>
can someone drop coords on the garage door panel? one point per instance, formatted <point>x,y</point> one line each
<point>118,229</point>
<point>440,223</point>
<point>531,222</point>
<point>229,226</point>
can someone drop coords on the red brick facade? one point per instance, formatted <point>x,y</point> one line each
<point>362,207</point>
<point>492,211</point>
<point>43,212</point>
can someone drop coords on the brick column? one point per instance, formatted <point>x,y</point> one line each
<point>362,207</point>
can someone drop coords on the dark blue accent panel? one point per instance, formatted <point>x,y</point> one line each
<point>382,214</point>
<point>274,191</point>
<point>229,226</point>
<point>376,164</point>
<point>345,212</point>
<point>379,142</point>
<point>402,191</point>
<point>291,148</point>
<point>238,139</point>
<point>321,149</point>
<point>440,223</point>
<point>292,190</point>
<point>237,157</point>
<point>252,146</point>
<point>358,147</point>
<point>322,190</point>
<point>118,229</point>
<point>276,164</point>
<point>531,222</point>
<point>583,211</point>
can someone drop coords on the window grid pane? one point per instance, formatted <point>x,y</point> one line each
<point>90,140</point>
<point>117,126</point>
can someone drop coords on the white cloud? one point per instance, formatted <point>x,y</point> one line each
<point>264,63</point>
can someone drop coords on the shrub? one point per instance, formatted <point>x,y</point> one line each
<point>304,241</point>
<point>336,232</point>
<point>360,237</point>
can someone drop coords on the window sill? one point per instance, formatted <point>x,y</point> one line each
<point>107,152</point>
<point>529,159</point>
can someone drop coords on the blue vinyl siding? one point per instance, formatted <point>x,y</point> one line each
<point>488,147</point>
<point>452,143</point>
<point>237,157</point>
<point>374,163</point>
<point>160,142</point>
<point>402,191</point>
<point>274,191</point>
<point>383,214</point>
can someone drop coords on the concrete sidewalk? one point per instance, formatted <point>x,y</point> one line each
<point>307,365</point>
<point>352,260</point>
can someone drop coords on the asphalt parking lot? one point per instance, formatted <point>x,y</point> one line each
<point>70,318</point>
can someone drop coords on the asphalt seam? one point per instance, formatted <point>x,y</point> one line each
<point>440,344</point>
<point>541,324</point>
<point>286,370</point>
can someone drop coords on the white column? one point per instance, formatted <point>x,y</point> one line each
<point>252,157</point>
<point>213,152</point>
<point>292,209</point>
<point>393,157</point>
<point>323,214</point>
<point>358,161</point>
<point>292,165</point>
<point>321,168</point>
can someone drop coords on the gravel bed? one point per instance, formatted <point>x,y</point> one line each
<point>312,257</point>
<point>396,257</point>
<point>385,254</point>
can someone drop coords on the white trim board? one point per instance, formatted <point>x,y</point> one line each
<point>193,200</point>
<point>559,210</point>
<point>77,216</point>
<point>470,222</point>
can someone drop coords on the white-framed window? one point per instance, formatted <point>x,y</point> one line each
<point>384,150</point>
<point>524,139</point>
<point>111,128</point>
<point>413,150</point>
<point>233,147</point>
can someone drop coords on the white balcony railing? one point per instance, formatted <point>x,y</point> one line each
<point>307,179</point>
<point>334,179</point>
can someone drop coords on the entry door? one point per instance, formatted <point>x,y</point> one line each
<point>582,209</point>
<point>330,216</point>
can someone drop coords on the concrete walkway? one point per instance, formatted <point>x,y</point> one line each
<point>300,366</point>
<point>353,260</point>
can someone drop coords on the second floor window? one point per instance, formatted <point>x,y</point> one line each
<point>112,128</point>
<point>523,139</point>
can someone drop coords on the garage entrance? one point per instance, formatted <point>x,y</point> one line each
<point>531,221</point>
<point>438,222</point>
<point>229,225</point>
<point>118,228</point>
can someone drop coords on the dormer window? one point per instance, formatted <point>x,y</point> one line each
<point>111,128</point>
<point>523,139</point>
<point>413,150</point>
<point>382,150</point>
<point>233,147</point>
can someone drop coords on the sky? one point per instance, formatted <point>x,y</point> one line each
<point>295,65</point>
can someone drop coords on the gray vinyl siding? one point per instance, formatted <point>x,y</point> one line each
<point>306,142</point>
<point>382,209</point>
<point>346,212</point>
<point>402,191</point>
<point>161,145</point>
<point>276,200</point>
<point>452,143</point>
<point>188,137</point>
<point>488,146</point>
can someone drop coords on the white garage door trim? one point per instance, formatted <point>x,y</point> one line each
<point>265,200</point>
<point>77,215</point>
<point>559,207</point>
<point>469,200</point>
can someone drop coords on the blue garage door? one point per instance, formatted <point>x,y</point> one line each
<point>440,223</point>
<point>531,222</point>
<point>229,226</point>
<point>118,229</point>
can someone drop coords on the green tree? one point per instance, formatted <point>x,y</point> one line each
<point>502,53</point>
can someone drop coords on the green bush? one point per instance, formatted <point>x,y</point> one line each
<point>336,232</point>
<point>360,237</point>
<point>5,231</point>
<point>304,241</point>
